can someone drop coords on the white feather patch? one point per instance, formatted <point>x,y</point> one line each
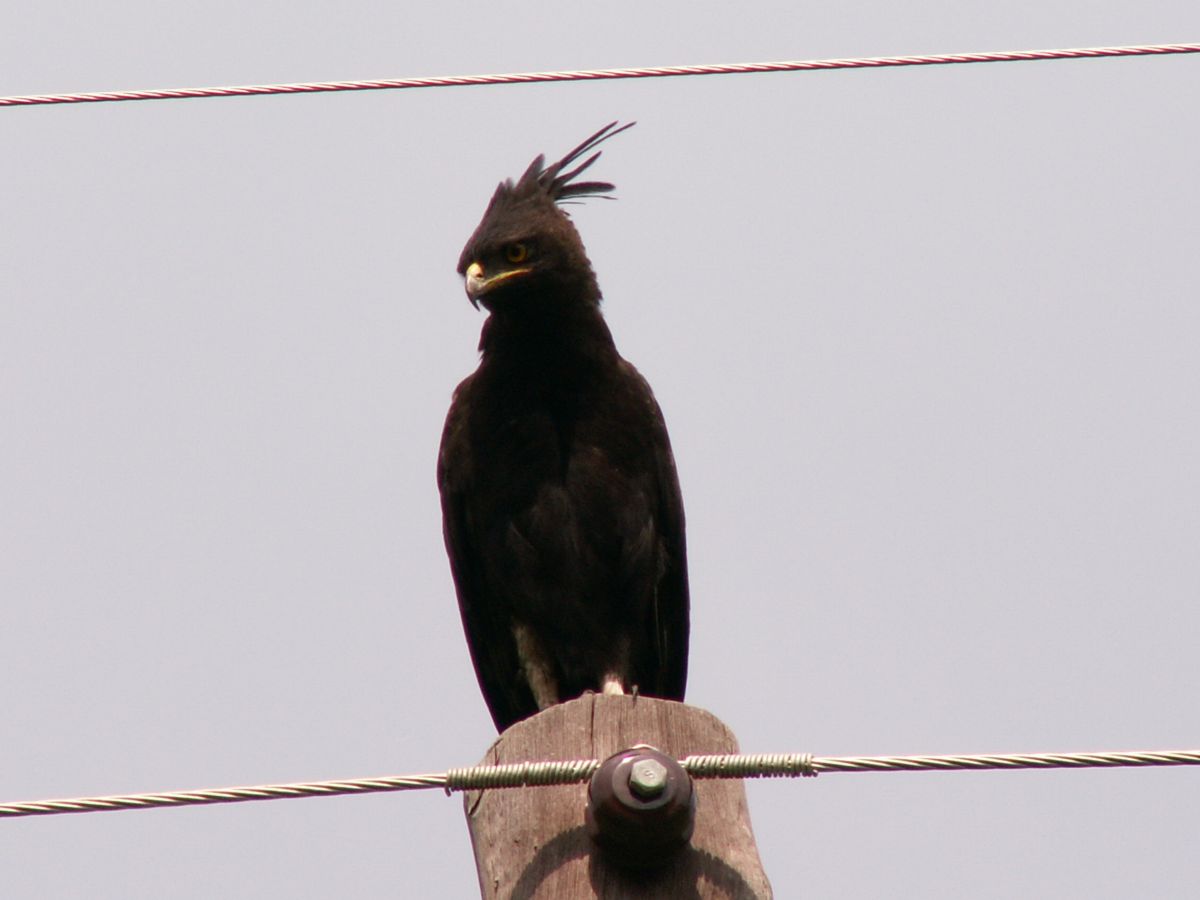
<point>536,667</point>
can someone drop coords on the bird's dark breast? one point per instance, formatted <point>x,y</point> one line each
<point>568,535</point>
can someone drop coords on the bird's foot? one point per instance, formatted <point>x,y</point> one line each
<point>613,687</point>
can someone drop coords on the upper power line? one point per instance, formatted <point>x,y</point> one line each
<point>865,62</point>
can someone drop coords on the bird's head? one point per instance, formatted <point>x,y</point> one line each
<point>526,247</point>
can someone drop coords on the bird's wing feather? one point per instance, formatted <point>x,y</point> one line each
<point>672,600</point>
<point>487,624</point>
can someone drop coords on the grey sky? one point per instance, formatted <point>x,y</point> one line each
<point>925,341</point>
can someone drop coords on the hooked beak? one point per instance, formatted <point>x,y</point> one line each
<point>478,284</point>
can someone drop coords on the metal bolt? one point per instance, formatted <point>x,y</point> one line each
<point>647,778</point>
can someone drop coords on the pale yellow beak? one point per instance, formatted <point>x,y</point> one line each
<point>478,283</point>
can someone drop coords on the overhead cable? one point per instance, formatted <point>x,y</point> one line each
<point>531,774</point>
<point>866,62</point>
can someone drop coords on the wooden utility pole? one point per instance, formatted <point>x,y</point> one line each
<point>532,843</point>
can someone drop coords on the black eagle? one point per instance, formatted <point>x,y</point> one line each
<point>561,508</point>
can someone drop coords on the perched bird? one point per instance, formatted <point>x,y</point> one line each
<point>560,503</point>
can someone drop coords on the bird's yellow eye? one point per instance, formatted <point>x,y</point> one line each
<point>516,253</point>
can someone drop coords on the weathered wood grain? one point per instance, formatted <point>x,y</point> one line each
<point>530,843</point>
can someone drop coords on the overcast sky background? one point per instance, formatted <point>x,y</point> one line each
<point>926,341</point>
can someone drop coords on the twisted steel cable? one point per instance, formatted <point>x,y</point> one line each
<point>867,62</point>
<point>775,765</point>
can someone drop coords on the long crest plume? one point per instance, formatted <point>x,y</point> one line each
<point>542,190</point>
<point>560,185</point>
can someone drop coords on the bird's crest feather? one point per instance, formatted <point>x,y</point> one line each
<point>557,184</point>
